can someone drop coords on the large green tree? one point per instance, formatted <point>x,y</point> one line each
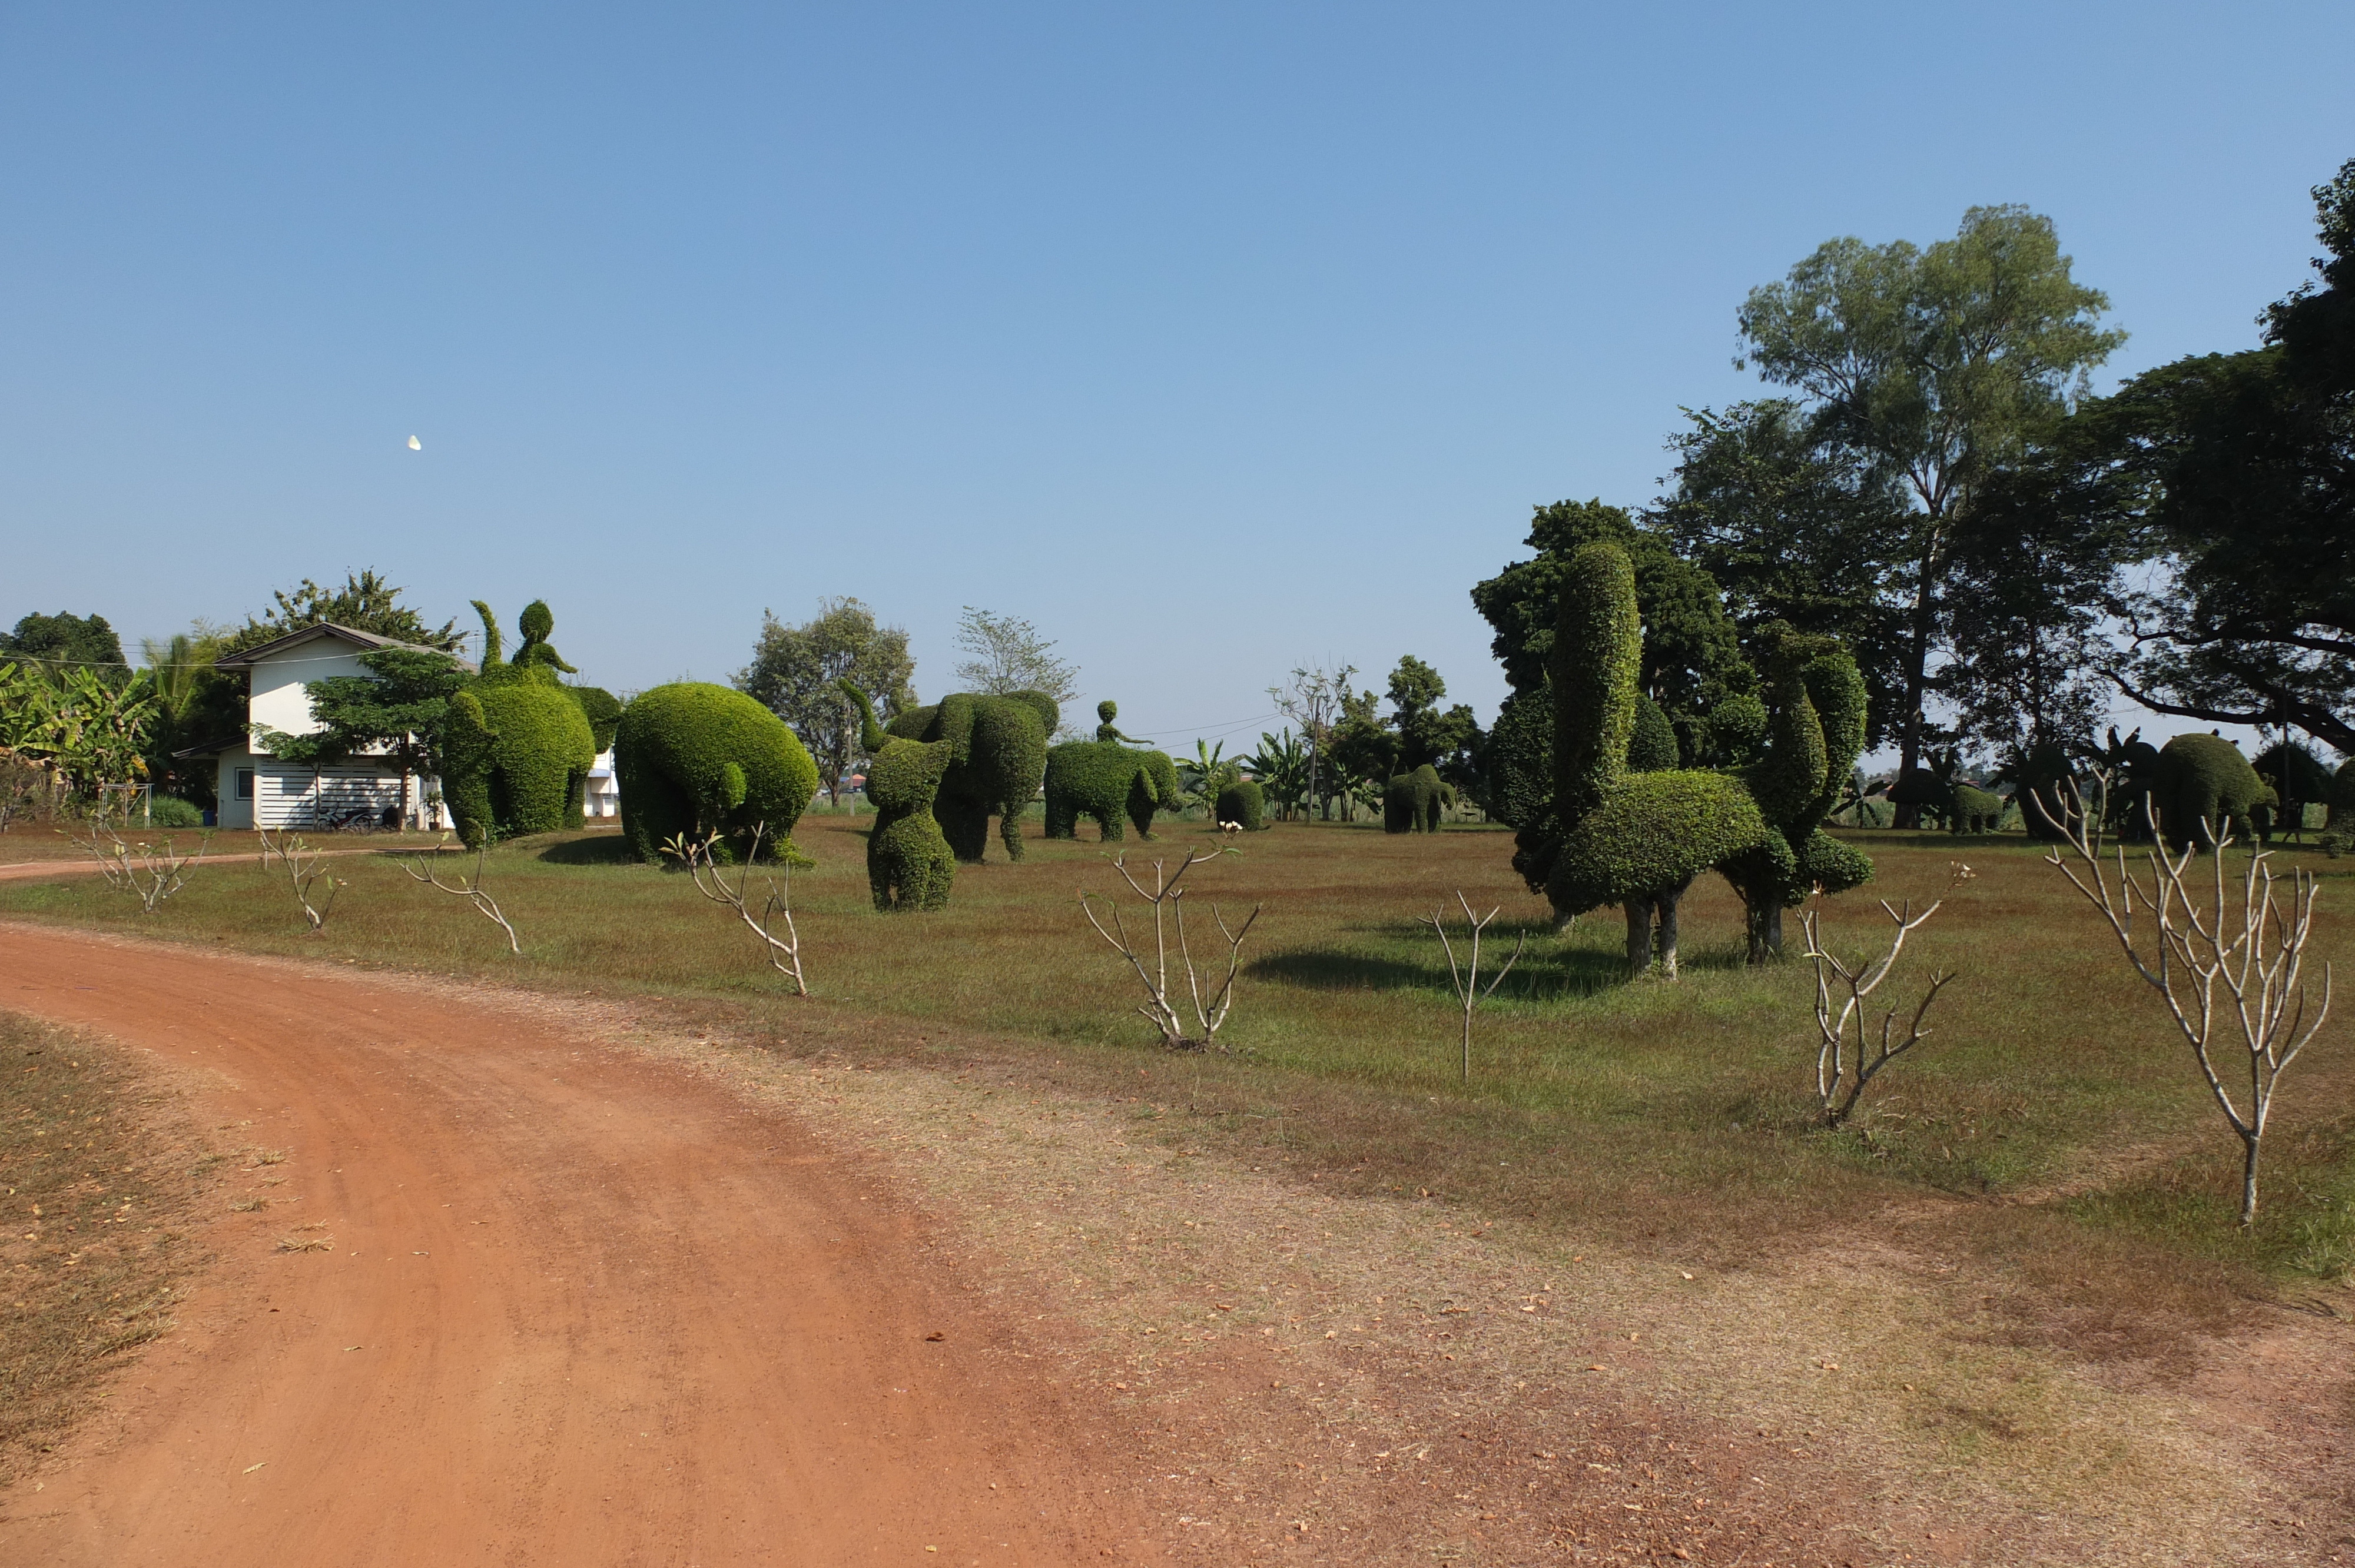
<point>1797,530</point>
<point>53,644</point>
<point>1937,365</point>
<point>2239,471</point>
<point>797,673</point>
<point>364,603</point>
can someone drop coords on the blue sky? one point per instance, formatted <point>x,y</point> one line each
<point>1212,339</point>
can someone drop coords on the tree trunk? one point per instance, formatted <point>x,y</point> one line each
<point>1666,947</point>
<point>2248,1180</point>
<point>1917,666</point>
<point>1639,937</point>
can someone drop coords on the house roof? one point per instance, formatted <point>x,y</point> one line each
<point>326,629</point>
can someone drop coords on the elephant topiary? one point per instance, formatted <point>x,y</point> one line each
<point>1243,803</point>
<point>1412,802</point>
<point>2298,778</point>
<point>1109,782</point>
<point>909,863</point>
<point>2203,790</point>
<point>693,759</point>
<point>1962,807</point>
<point>998,750</point>
<point>517,744</point>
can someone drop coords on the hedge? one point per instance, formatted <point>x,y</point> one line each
<point>1108,782</point>
<point>692,758</point>
<point>1413,801</point>
<point>998,748</point>
<point>1245,803</point>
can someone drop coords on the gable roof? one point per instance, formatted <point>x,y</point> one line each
<point>367,641</point>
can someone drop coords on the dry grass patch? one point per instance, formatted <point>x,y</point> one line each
<point>102,1176</point>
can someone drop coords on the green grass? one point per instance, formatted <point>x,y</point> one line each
<point>2053,1122</point>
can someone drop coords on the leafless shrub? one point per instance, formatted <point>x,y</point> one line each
<point>149,873</point>
<point>1167,901</point>
<point>2228,963</point>
<point>1466,979</point>
<point>306,870</point>
<point>784,953</point>
<point>1851,1050</point>
<point>471,889</point>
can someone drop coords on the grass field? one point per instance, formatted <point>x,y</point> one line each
<point>101,1179</point>
<point>2054,1124</point>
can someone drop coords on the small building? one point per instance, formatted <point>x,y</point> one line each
<point>604,797</point>
<point>260,790</point>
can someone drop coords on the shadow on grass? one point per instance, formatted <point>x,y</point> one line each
<point>1541,976</point>
<point>604,849</point>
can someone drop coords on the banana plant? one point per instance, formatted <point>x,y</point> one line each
<point>1207,771</point>
<point>1281,766</point>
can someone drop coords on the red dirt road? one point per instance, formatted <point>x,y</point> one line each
<point>580,1309</point>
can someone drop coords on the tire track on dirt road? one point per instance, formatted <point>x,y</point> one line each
<point>579,1308</point>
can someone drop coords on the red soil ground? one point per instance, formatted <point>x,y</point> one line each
<point>578,1307</point>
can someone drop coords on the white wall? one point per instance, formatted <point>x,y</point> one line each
<point>279,701</point>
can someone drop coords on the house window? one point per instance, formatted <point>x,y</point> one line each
<point>245,783</point>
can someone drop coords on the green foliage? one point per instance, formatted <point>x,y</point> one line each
<point>1414,801</point>
<point>365,603</point>
<point>1597,648</point>
<point>1005,656</point>
<point>92,729</point>
<point>1108,782</point>
<point>797,673</point>
<point>402,705</point>
<point>2204,789</point>
<point>693,759</point>
<point>2339,828</point>
<point>1281,766</point>
<point>909,864</point>
<point>1245,803</point>
<point>165,811</point>
<point>1652,745</point>
<point>51,645</point>
<point>516,761</point>
<point>1651,833</point>
<point>997,747</point>
<point>1939,365</point>
<point>602,709</point>
<point>1516,762</point>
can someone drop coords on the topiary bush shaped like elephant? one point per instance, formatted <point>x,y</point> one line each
<point>692,758</point>
<point>998,750</point>
<point>909,863</point>
<point>1109,782</point>
<point>1412,802</point>
<point>517,744</point>
<point>2204,790</point>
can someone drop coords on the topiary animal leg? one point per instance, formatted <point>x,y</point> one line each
<point>1667,945</point>
<point>1009,828</point>
<point>1639,935</point>
<point>965,824</point>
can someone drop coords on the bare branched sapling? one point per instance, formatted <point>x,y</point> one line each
<point>1166,898</point>
<point>1850,1050</point>
<point>2227,964</point>
<point>305,869</point>
<point>785,953</point>
<point>471,889</point>
<point>1466,979</point>
<point>149,873</point>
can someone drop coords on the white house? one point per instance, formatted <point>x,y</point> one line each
<point>260,790</point>
<point>603,798</point>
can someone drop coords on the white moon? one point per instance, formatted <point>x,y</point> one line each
<point>415,445</point>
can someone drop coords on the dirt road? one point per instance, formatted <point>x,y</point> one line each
<point>577,1308</point>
